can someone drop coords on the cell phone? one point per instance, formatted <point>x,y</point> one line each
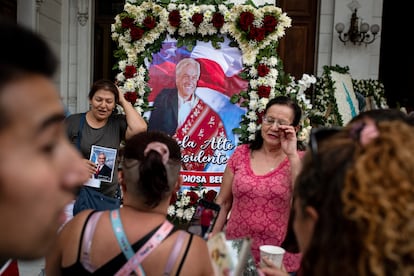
<point>204,218</point>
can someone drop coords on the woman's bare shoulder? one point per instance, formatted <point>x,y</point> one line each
<point>199,257</point>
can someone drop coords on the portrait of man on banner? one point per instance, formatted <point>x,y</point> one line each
<point>190,94</point>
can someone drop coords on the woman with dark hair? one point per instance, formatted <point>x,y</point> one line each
<point>151,168</point>
<point>379,115</point>
<point>258,181</point>
<point>354,201</point>
<point>103,127</point>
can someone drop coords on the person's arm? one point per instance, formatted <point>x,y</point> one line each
<point>225,200</point>
<point>295,165</point>
<point>289,147</point>
<point>135,123</point>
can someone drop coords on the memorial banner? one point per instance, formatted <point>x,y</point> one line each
<point>192,104</point>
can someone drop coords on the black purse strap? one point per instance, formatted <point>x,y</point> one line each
<point>81,123</point>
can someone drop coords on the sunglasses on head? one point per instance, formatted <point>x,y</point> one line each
<point>317,135</point>
<point>322,133</point>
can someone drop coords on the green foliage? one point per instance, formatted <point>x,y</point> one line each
<point>325,110</point>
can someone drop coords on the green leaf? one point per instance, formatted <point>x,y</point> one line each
<point>235,99</point>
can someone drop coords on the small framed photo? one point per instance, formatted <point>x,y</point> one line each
<point>105,159</point>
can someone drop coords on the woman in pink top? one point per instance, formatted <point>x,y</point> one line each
<point>258,181</point>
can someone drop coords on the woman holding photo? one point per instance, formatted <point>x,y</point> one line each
<point>103,127</point>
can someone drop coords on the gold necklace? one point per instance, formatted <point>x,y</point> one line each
<point>274,163</point>
<point>271,163</point>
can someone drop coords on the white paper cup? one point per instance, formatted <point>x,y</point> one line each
<point>273,253</point>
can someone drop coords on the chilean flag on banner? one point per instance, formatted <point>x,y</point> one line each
<point>219,67</point>
<point>219,80</point>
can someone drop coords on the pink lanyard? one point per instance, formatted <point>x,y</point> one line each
<point>146,249</point>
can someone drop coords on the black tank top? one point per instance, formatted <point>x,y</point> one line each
<point>113,265</point>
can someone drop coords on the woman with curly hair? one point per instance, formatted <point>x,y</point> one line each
<point>354,204</point>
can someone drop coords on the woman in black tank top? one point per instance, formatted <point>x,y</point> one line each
<point>107,243</point>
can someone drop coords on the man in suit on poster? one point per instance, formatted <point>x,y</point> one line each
<point>172,106</point>
<point>103,171</point>
<point>181,113</point>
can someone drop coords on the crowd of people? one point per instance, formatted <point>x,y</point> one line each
<point>354,200</point>
<point>352,187</point>
<point>151,168</point>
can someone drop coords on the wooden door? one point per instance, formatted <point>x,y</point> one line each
<point>297,49</point>
<point>104,60</point>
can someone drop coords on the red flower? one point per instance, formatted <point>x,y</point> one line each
<point>130,71</point>
<point>218,20</point>
<point>174,18</point>
<point>260,117</point>
<point>173,199</point>
<point>193,197</point>
<point>149,22</point>
<point>197,18</point>
<point>257,34</point>
<point>262,70</point>
<point>127,22</point>
<point>269,23</point>
<point>136,33</point>
<point>246,20</point>
<point>131,97</point>
<point>263,91</point>
<point>210,195</point>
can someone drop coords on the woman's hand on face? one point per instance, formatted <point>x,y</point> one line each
<point>288,139</point>
<point>271,270</point>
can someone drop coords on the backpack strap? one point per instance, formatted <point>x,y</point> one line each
<point>81,123</point>
<point>146,249</point>
<point>120,234</point>
<point>185,254</point>
<point>85,258</point>
<point>122,239</point>
<point>174,252</point>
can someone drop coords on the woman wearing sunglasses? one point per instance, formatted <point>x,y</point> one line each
<point>258,181</point>
<point>354,201</point>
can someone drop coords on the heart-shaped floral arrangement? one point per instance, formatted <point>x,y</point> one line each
<point>142,27</point>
